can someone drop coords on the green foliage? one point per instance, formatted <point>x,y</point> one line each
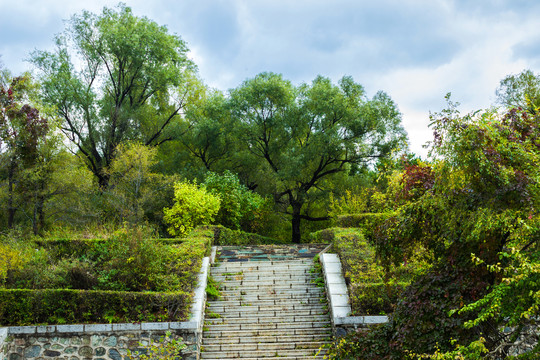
<point>373,290</point>
<point>474,351</point>
<point>128,261</point>
<point>472,211</point>
<point>117,76</point>
<point>20,307</point>
<point>300,139</point>
<point>239,207</point>
<point>168,347</point>
<point>212,289</point>
<point>136,193</point>
<point>520,91</point>
<point>193,206</point>
<point>14,254</point>
<point>226,236</point>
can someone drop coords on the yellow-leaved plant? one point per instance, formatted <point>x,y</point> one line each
<point>193,206</point>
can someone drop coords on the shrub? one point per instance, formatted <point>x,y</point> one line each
<point>63,306</point>
<point>225,236</point>
<point>239,206</point>
<point>193,206</point>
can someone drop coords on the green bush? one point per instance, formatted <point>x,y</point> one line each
<point>367,221</point>
<point>64,306</point>
<point>193,206</point>
<point>325,236</point>
<point>226,236</point>
<point>110,272</point>
<point>239,206</point>
<point>376,298</point>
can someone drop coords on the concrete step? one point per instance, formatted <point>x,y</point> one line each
<point>282,354</point>
<point>264,346</point>
<point>210,334</point>
<point>265,287</point>
<point>322,324</point>
<point>267,309</point>
<point>221,309</point>
<point>309,357</point>
<point>288,301</point>
<point>259,275</point>
<point>262,320</point>
<point>250,297</point>
<point>229,267</point>
<point>266,281</point>
<point>266,339</point>
<point>243,313</point>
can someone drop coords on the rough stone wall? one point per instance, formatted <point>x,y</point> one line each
<point>83,346</point>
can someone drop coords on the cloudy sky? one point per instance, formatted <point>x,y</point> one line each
<point>415,50</point>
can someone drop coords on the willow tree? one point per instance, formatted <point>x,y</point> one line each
<point>305,136</point>
<point>115,77</point>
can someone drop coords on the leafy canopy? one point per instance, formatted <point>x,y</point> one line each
<point>115,77</point>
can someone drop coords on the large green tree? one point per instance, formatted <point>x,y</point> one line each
<point>303,137</point>
<point>115,77</point>
<point>521,90</point>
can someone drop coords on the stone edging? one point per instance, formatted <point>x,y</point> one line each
<point>338,298</point>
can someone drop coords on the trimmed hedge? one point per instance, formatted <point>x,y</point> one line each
<point>124,262</point>
<point>62,306</point>
<point>367,221</point>
<point>226,236</point>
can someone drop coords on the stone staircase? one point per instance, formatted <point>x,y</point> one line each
<point>269,306</point>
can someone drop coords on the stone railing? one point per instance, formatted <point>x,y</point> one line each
<point>338,299</point>
<point>106,341</point>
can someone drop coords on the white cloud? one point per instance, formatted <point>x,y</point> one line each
<point>416,51</point>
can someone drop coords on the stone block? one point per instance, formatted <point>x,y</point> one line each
<point>332,268</point>
<point>341,311</point>
<point>70,328</point>
<point>337,289</point>
<point>213,254</point>
<point>184,325</point>
<point>22,330</point>
<point>330,258</point>
<point>369,320</point>
<point>339,299</point>
<point>98,327</point>
<point>349,320</point>
<point>32,351</point>
<point>334,278</point>
<point>126,326</point>
<point>155,326</point>
<point>45,329</point>
<point>199,293</point>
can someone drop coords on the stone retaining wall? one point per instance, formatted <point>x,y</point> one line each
<point>100,345</point>
<point>106,341</point>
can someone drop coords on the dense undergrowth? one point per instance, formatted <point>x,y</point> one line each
<point>128,276</point>
<point>469,222</point>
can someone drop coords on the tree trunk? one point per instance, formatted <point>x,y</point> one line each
<point>296,231</point>
<point>103,180</point>
<point>39,222</point>
<point>11,209</point>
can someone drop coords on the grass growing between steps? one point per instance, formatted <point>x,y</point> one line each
<point>213,292</point>
<point>318,272</point>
